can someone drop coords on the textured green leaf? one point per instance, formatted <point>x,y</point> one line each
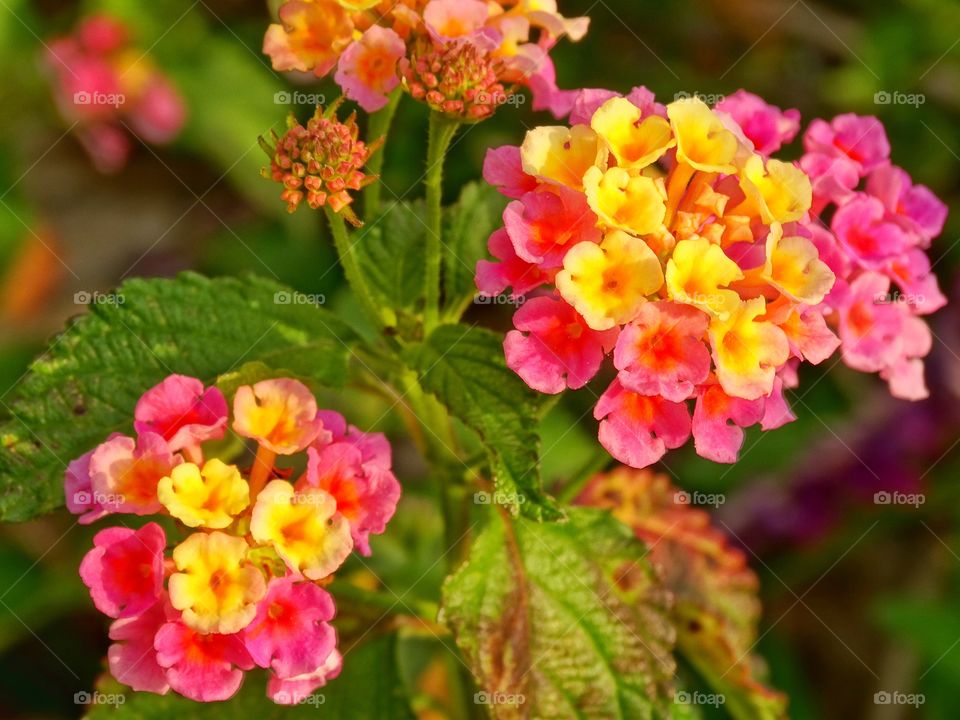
<point>716,609</point>
<point>369,688</point>
<point>464,368</point>
<point>86,384</point>
<point>570,616</point>
<point>391,251</point>
<point>468,225</point>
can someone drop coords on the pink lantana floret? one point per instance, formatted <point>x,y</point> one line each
<point>553,348</point>
<point>291,632</point>
<point>367,70</point>
<point>132,657</point>
<point>124,571</point>
<point>205,668</point>
<point>183,412</point>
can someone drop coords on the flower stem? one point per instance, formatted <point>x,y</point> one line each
<point>442,131</point>
<point>378,127</point>
<point>351,268</point>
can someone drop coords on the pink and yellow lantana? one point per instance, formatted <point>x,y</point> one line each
<point>702,259</point>
<point>243,591</point>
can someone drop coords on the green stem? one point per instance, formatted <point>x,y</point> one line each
<point>379,127</point>
<point>442,130</point>
<point>351,268</point>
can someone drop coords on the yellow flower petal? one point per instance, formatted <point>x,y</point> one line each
<point>634,142</point>
<point>562,155</point>
<point>794,267</point>
<point>703,141</point>
<point>216,590</point>
<point>208,498</point>
<point>698,273</point>
<point>781,192</point>
<point>747,352</point>
<point>304,528</point>
<point>608,283</point>
<point>626,201</point>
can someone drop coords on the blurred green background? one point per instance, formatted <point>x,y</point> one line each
<point>859,598</point>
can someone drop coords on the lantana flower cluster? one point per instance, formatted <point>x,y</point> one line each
<point>109,87</point>
<point>669,238</point>
<point>461,57</point>
<point>252,547</point>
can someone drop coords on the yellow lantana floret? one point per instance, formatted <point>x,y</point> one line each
<point>210,498</point>
<point>794,268</point>
<point>303,527</point>
<point>747,352</point>
<point>215,588</point>
<point>627,201</point>
<point>634,142</point>
<point>698,274</point>
<point>607,283</point>
<point>703,141</point>
<point>562,155</point>
<point>780,192</point>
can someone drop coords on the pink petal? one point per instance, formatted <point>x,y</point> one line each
<point>205,668</point>
<point>503,168</point>
<point>182,411</point>
<point>124,571</point>
<point>718,422</point>
<point>132,657</point>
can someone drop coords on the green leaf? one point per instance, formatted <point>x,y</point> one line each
<point>465,369</point>
<point>390,251</point>
<point>570,616</point>
<point>86,384</point>
<point>467,227</point>
<point>717,609</point>
<point>369,687</point>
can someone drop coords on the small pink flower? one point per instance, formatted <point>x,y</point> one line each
<point>205,668</point>
<point>159,112</point>
<point>448,20</point>
<point>661,352</point>
<point>768,127</point>
<point>553,348</point>
<point>183,412</point>
<point>503,168</point>
<point>493,278</point>
<point>718,422</point>
<point>833,178</point>
<point>374,447</point>
<point>871,325</point>
<point>132,657</point>
<point>905,373</point>
<point>124,571</point>
<point>78,490</point>
<point>545,224</point>
<point>915,207</point>
<point>861,227</point>
<point>366,492</point>
<point>637,429</point>
<point>124,473</point>
<point>291,632</point>
<point>912,272</point>
<point>367,70</point>
<point>295,690</point>
<point>861,139</point>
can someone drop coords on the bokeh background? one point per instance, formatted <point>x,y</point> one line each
<point>859,597</point>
